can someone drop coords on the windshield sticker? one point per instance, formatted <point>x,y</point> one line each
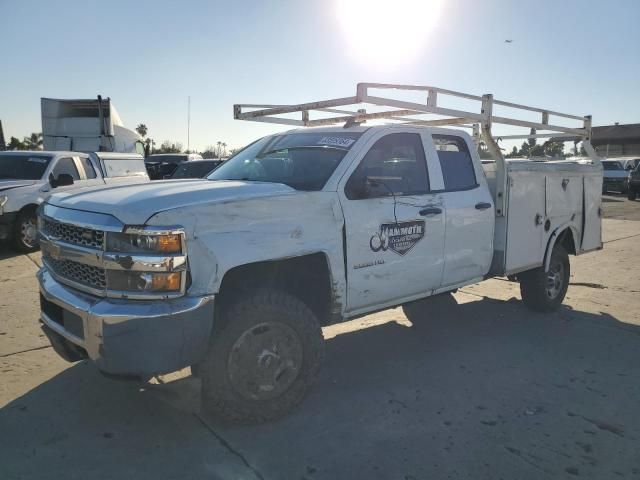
<point>397,237</point>
<point>37,160</point>
<point>336,141</point>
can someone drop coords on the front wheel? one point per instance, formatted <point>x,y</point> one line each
<point>631,195</point>
<point>25,232</point>
<point>544,291</point>
<point>265,353</point>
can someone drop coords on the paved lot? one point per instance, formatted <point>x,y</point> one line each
<point>482,389</point>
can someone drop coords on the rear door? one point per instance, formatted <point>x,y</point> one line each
<point>470,211</point>
<point>394,225</point>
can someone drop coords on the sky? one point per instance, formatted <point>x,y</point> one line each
<point>574,56</point>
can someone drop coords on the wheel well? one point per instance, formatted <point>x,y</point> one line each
<point>28,208</point>
<point>566,240</point>
<point>307,277</point>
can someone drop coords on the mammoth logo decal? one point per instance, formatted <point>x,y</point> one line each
<point>398,237</point>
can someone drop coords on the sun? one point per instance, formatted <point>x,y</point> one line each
<point>387,33</point>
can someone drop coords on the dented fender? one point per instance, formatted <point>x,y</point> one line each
<point>224,235</point>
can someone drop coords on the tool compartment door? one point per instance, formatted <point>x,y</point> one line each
<point>592,226</point>
<point>525,249</point>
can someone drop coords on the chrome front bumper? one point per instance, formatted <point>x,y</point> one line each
<point>128,337</point>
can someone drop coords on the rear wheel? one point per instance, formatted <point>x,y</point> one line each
<point>632,195</point>
<point>264,357</point>
<point>544,291</point>
<point>25,232</point>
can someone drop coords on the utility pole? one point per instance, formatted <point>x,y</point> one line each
<point>3,144</point>
<point>189,124</point>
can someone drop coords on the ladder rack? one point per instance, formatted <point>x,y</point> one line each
<point>351,111</point>
<point>405,112</point>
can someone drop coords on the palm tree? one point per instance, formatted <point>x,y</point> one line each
<point>219,145</point>
<point>224,149</point>
<point>142,130</point>
<point>33,141</point>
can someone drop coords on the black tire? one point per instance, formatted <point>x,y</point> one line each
<point>632,195</point>
<point>287,335</point>
<point>424,308</point>
<point>25,238</point>
<point>544,291</point>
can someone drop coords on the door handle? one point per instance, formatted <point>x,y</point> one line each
<point>483,205</point>
<point>430,211</point>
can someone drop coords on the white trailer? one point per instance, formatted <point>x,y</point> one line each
<point>86,125</point>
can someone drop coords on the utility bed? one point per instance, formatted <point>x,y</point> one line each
<point>557,192</point>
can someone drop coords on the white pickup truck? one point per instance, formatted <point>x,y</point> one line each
<point>235,275</point>
<point>28,177</point>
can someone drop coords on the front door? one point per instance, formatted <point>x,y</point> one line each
<point>394,225</point>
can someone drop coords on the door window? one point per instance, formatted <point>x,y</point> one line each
<point>66,165</point>
<point>395,165</point>
<point>89,171</point>
<point>455,162</point>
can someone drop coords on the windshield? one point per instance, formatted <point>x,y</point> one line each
<point>23,167</point>
<point>194,169</point>
<point>612,166</point>
<point>303,161</point>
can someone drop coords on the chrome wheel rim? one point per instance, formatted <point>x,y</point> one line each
<point>29,232</point>
<point>265,361</point>
<point>555,280</point>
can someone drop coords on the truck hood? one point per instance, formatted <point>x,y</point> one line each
<point>7,184</point>
<point>135,204</point>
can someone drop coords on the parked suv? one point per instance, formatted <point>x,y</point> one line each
<point>162,165</point>
<point>195,168</point>
<point>615,176</point>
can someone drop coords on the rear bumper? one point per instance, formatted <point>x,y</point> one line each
<point>125,337</point>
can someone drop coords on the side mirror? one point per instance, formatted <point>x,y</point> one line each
<point>61,180</point>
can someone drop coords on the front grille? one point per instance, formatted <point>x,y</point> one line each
<point>87,275</point>
<point>85,237</point>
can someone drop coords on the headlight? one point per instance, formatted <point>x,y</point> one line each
<point>143,243</point>
<point>154,261</point>
<point>144,282</point>
<point>3,201</point>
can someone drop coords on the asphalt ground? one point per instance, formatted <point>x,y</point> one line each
<point>479,388</point>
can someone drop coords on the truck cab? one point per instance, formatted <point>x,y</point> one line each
<point>27,178</point>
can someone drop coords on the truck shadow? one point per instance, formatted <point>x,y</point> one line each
<point>484,389</point>
<point>6,251</point>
